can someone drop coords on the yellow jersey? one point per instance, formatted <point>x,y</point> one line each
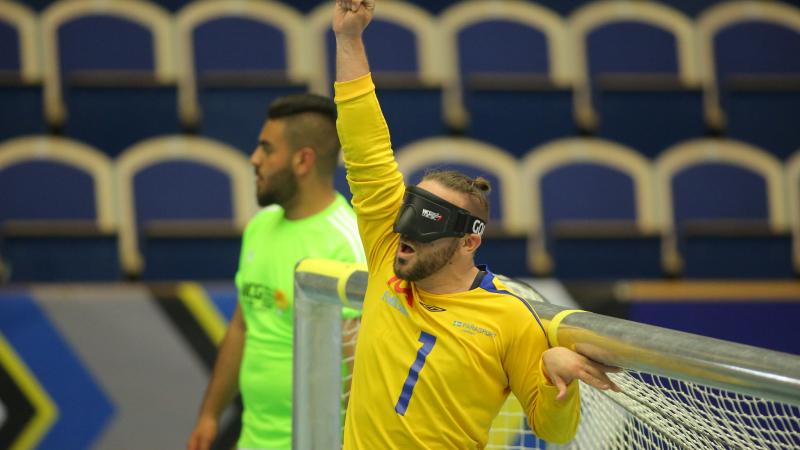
<point>432,371</point>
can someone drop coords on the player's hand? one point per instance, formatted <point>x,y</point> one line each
<point>562,365</point>
<point>204,434</point>
<point>351,17</point>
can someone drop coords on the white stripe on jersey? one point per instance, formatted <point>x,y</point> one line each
<point>346,224</point>
<point>349,219</point>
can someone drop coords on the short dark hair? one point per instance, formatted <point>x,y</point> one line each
<point>477,189</point>
<point>310,122</point>
<point>294,104</point>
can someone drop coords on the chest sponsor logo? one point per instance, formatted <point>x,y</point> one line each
<point>394,301</point>
<point>260,297</point>
<point>432,308</point>
<point>473,329</point>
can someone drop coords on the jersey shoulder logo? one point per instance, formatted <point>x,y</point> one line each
<point>432,308</point>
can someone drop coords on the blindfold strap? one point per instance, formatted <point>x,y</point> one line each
<point>469,224</point>
<point>463,223</point>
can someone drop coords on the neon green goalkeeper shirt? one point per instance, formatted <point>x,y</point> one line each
<point>271,246</point>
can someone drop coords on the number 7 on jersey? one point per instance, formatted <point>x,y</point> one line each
<point>428,340</point>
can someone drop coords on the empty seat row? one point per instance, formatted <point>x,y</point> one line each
<point>588,207</point>
<point>173,207</point>
<point>69,212</point>
<point>512,73</point>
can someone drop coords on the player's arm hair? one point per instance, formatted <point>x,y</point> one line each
<point>351,56</point>
<point>224,383</point>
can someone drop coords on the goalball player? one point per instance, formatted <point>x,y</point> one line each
<point>442,341</point>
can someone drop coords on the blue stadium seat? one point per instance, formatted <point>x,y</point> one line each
<point>793,197</point>
<point>111,77</point>
<point>240,57</point>
<point>404,55</point>
<point>504,248</point>
<point>510,77</point>
<point>637,75</point>
<point>753,87</point>
<point>21,99</point>
<point>58,223</point>
<point>590,210</point>
<point>184,202</point>
<point>723,211</point>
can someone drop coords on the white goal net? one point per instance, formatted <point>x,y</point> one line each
<point>679,391</point>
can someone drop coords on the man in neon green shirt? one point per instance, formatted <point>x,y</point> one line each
<point>294,161</point>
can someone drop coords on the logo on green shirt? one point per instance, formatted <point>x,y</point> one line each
<point>262,297</point>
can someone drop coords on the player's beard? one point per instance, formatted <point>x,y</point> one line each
<point>281,188</point>
<point>424,266</point>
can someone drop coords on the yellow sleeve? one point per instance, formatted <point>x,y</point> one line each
<point>376,183</point>
<point>552,420</point>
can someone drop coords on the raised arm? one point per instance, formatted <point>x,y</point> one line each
<point>350,19</point>
<point>372,173</point>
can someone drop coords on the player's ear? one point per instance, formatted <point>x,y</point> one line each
<point>303,161</point>
<point>471,242</point>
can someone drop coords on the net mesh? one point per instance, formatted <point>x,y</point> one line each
<point>651,413</point>
<point>655,412</point>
